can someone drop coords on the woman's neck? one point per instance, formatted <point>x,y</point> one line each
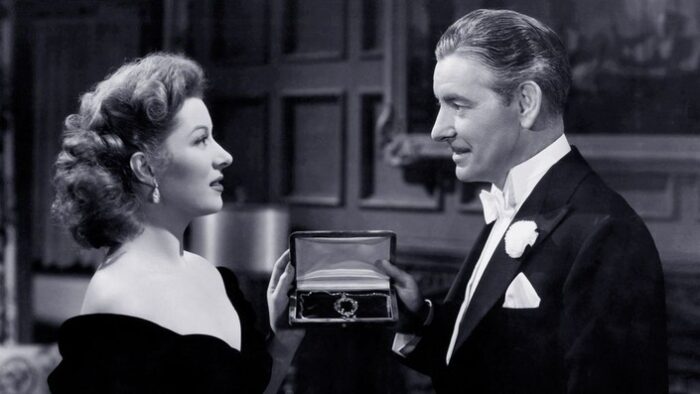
<point>156,245</point>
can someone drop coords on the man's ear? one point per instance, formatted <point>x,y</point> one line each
<point>529,96</point>
<point>141,168</point>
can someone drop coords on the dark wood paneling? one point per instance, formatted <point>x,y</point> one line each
<point>314,147</point>
<point>370,109</point>
<point>314,29</point>
<point>696,198</point>
<point>372,29</point>
<point>384,186</point>
<point>469,196</point>
<point>240,31</point>
<point>683,316</point>
<point>652,195</point>
<point>242,127</point>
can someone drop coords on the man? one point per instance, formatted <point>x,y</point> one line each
<point>563,291</point>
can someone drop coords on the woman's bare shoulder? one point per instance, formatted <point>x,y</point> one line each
<point>109,291</point>
<point>194,258</point>
<point>200,264</point>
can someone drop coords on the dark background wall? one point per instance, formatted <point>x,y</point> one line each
<point>326,106</point>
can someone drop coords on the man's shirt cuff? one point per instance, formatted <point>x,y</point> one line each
<point>404,344</point>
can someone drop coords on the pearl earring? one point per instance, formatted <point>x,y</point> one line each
<point>155,195</point>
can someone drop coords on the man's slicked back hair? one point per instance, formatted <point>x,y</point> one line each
<point>516,48</point>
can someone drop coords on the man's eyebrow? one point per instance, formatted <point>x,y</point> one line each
<point>456,97</point>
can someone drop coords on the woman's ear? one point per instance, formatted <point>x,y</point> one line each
<point>141,168</point>
<point>529,96</point>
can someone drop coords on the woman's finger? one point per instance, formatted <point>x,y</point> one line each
<point>286,279</point>
<point>277,270</point>
<point>283,278</point>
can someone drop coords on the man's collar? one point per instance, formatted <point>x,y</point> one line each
<point>524,177</point>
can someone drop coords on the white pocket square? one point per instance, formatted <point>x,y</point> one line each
<point>521,294</point>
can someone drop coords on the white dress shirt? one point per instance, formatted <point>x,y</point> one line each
<point>520,182</point>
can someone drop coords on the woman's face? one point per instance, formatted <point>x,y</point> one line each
<point>192,180</point>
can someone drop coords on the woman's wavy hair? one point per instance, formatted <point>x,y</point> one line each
<point>132,110</point>
<point>516,48</point>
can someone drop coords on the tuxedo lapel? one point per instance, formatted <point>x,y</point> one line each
<point>459,285</point>
<point>498,274</point>
<point>546,206</point>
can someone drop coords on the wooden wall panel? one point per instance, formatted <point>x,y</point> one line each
<point>241,126</point>
<point>652,195</point>
<point>240,31</point>
<point>469,196</point>
<point>683,316</point>
<point>370,108</point>
<point>384,186</point>
<point>314,139</point>
<point>696,198</point>
<point>314,29</point>
<point>372,29</point>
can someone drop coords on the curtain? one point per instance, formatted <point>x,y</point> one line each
<point>63,70</point>
<point>7,281</point>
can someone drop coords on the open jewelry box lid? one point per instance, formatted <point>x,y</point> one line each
<point>341,260</point>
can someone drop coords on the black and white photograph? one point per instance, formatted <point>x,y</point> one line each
<point>349,196</point>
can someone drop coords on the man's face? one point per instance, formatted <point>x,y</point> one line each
<point>482,132</point>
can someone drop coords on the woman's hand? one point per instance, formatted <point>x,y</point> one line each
<point>286,340</point>
<point>278,299</point>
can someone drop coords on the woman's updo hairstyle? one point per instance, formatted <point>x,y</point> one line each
<point>132,110</point>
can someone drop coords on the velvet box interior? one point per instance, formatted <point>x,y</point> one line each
<point>337,280</point>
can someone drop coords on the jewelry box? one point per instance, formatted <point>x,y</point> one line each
<point>337,279</point>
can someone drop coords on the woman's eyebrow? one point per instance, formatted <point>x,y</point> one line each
<point>199,127</point>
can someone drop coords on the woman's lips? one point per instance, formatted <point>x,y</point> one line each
<point>217,185</point>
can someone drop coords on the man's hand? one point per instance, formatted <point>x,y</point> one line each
<point>408,292</point>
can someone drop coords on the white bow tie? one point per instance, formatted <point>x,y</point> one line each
<point>495,206</point>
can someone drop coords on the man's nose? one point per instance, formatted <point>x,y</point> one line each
<point>443,129</point>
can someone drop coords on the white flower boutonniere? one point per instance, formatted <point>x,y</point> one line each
<point>519,235</point>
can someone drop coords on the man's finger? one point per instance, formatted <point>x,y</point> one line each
<point>394,272</point>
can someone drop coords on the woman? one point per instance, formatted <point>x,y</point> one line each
<point>138,163</point>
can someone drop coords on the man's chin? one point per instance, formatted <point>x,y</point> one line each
<point>464,175</point>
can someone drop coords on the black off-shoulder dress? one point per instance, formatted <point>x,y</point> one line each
<point>109,354</point>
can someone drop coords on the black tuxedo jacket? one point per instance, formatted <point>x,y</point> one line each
<point>600,326</point>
